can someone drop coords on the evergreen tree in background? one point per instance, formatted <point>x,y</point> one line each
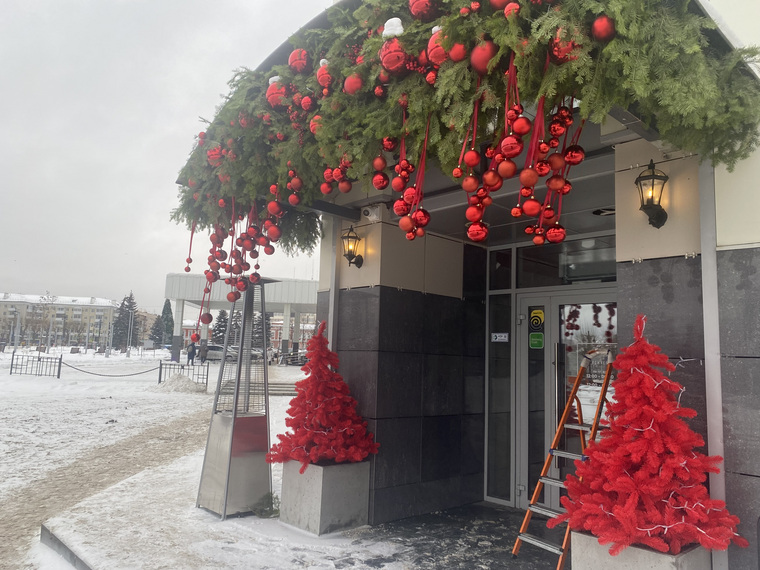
<point>157,332</point>
<point>220,327</point>
<point>258,331</point>
<point>168,321</point>
<point>127,308</point>
<point>235,327</point>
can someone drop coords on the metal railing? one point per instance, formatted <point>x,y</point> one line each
<point>36,365</point>
<point>198,373</point>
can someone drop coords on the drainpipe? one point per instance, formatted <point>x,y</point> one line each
<point>711,322</point>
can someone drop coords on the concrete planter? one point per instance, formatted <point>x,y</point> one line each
<point>325,498</point>
<point>587,554</point>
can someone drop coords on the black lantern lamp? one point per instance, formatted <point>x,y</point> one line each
<point>651,184</point>
<point>350,245</point>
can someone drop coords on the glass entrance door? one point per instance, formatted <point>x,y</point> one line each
<point>553,333</point>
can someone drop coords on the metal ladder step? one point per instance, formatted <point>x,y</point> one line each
<point>540,542</point>
<point>552,481</point>
<point>567,454</point>
<point>579,427</point>
<point>546,511</point>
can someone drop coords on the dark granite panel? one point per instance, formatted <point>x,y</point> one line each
<point>358,319</point>
<point>443,385</point>
<point>394,503</point>
<point>669,292</point>
<point>473,444</point>
<point>399,384</point>
<point>738,294</point>
<point>323,305</point>
<point>743,500</point>
<point>474,385</point>
<point>401,320</point>
<point>741,414</point>
<point>443,328</point>
<point>398,459</point>
<point>472,488</point>
<point>359,369</point>
<point>474,271</point>
<point>474,333</point>
<point>691,375</point>
<point>441,447</point>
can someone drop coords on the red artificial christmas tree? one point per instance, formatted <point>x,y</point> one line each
<point>643,482</point>
<point>326,427</point>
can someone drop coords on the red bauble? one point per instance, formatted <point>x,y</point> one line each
<point>506,168</point>
<point>420,217</point>
<point>345,186</point>
<point>269,249</point>
<point>531,207</point>
<point>323,76</point>
<point>294,200</point>
<point>298,60</point>
<point>457,172</point>
<point>528,177</point>
<point>379,91</point>
<point>457,52</point>
<point>274,233</point>
<point>436,54</point>
<point>470,183</point>
<point>526,191</point>
<point>421,9</point>
<point>548,213</point>
<point>557,128</point>
<point>477,231</point>
<point>560,50</point>
<point>556,161</point>
<point>195,337</point>
<point>530,230</point>
<point>409,195</point>
<point>274,208</point>
<point>380,180</point>
<point>406,224</point>
<point>401,208</point>
<point>296,184</point>
<point>206,318</point>
<point>511,146</point>
<point>555,182</point>
<point>398,184</point>
<point>481,55</point>
<point>556,233</point>
<point>499,4</point>
<point>603,29</point>
<point>431,77</point>
<point>422,59</point>
<point>315,124</point>
<point>241,285</point>
<point>543,168</point>
<point>574,155</point>
<point>392,56</point>
<point>338,174</point>
<point>325,188</point>
<point>511,9</point>
<point>379,163</point>
<point>522,126</point>
<point>275,95</point>
<point>491,178</point>
<point>389,144</point>
<point>221,203</point>
<point>233,296</point>
<point>353,83</point>
<point>472,158</point>
<point>474,213</point>
<point>306,103</point>
<point>539,239</point>
<point>517,212</point>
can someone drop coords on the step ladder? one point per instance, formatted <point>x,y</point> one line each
<point>587,432</point>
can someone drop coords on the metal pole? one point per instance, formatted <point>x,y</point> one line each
<point>60,361</point>
<point>129,332</point>
<point>160,369</point>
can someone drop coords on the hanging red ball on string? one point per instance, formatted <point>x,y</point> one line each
<point>401,208</point>
<point>574,155</point>
<point>556,233</point>
<point>472,158</point>
<point>392,55</point>
<point>603,29</point>
<point>481,56</point>
<point>477,231</point>
<point>436,54</point>
<point>206,318</point>
<point>531,207</point>
<point>195,337</point>
<point>421,217</point>
<point>379,163</point>
<point>380,180</point>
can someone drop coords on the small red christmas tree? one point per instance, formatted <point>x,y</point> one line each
<point>643,481</point>
<point>326,427</point>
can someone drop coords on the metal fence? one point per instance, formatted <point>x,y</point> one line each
<point>198,373</point>
<point>36,365</point>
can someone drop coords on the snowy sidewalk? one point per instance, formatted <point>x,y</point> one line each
<point>149,521</point>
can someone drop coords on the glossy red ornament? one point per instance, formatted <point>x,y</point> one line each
<point>457,172</point>
<point>472,158</point>
<point>392,56</point>
<point>530,230</point>
<point>298,60</point>
<point>436,54</point>
<point>307,103</point>
<point>477,231</point>
<point>353,84</point>
<point>420,217</point>
<point>315,124</point>
<point>531,207</point>
<point>528,177</point>
<point>325,188</point>
<point>380,180</point>
<point>401,208</point>
<point>560,50</point>
<point>481,55</point>
<point>421,9</point>
<point>556,233</point>
<point>345,186</point>
<point>323,76</point>
<point>474,213</point>
<point>294,200</point>
<point>422,59</point>
<point>557,128</point>
<point>470,183</point>
<point>548,213</point>
<point>603,29</point>
<point>338,174</point>
<point>526,191</point>
<point>511,146</point>
<point>275,94</point>
<point>507,168</point>
<point>457,52</point>
<point>406,224</point>
<point>522,126</point>
<point>511,9</point>
<point>574,155</point>
<point>566,187</point>
<point>195,337</point>
<point>389,144</point>
<point>409,195</point>
<point>543,168</point>
<point>516,212</point>
<point>431,77</point>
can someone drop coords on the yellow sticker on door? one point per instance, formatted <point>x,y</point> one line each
<point>536,319</point>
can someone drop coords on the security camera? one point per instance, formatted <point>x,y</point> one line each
<point>372,213</point>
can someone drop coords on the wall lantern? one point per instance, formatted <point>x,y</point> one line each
<point>350,245</point>
<point>651,184</point>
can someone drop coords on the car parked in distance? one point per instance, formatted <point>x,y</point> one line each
<point>215,352</point>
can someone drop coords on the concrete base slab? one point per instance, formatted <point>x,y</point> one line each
<point>327,498</point>
<point>587,554</point>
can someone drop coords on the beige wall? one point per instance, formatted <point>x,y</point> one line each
<point>737,202</point>
<point>636,239</point>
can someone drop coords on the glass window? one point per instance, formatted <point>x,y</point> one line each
<point>500,269</point>
<point>567,263</point>
<point>499,398</point>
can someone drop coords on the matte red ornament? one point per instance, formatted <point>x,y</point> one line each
<point>555,182</point>
<point>420,217</point>
<point>398,184</point>
<point>481,55</point>
<point>539,239</point>
<point>511,9</point>
<point>294,200</point>
<point>457,52</point>
<point>380,180</point>
<point>470,183</point>
<point>353,84</point>
<point>206,318</point>
<point>379,163</point>
<point>474,213</point>
<point>401,208</point>
<point>345,186</point>
<point>431,77</point>
<point>522,126</point>
<point>477,231</point>
<point>296,183</point>
<point>274,233</point>
<point>406,224</point>
<point>498,4</point>
<point>298,60</point>
<point>315,124</point>
<point>379,91</point>
<point>221,203</point>
<point>323,76</point>
<point>528,177</point>
<point>556,161</point>
<point>269,249</point>
<point>511,146</point>
<point>436,54</point>
<point>574,155</point>
<point>275,94</point>
<point>491,178</point>
<point>392,56</point>
<point>531,207</point>
<point>306,103</point>
<point>232,296</point>
<point>274,208</point>
<point>338,174</point>
<point>507,168</point>
<point>472,158</point>
<point>421,9</point>
<point>603,29</point>
<point>325,188</point>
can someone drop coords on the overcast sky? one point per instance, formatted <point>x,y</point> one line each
<point>100,102</point>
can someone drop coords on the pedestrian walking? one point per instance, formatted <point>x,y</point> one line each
<point>191,354</point>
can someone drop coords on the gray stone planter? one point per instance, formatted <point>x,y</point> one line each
<point>325,498</point>
<point>587,554</point>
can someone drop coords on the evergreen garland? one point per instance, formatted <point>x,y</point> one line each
<point>664,61</point>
